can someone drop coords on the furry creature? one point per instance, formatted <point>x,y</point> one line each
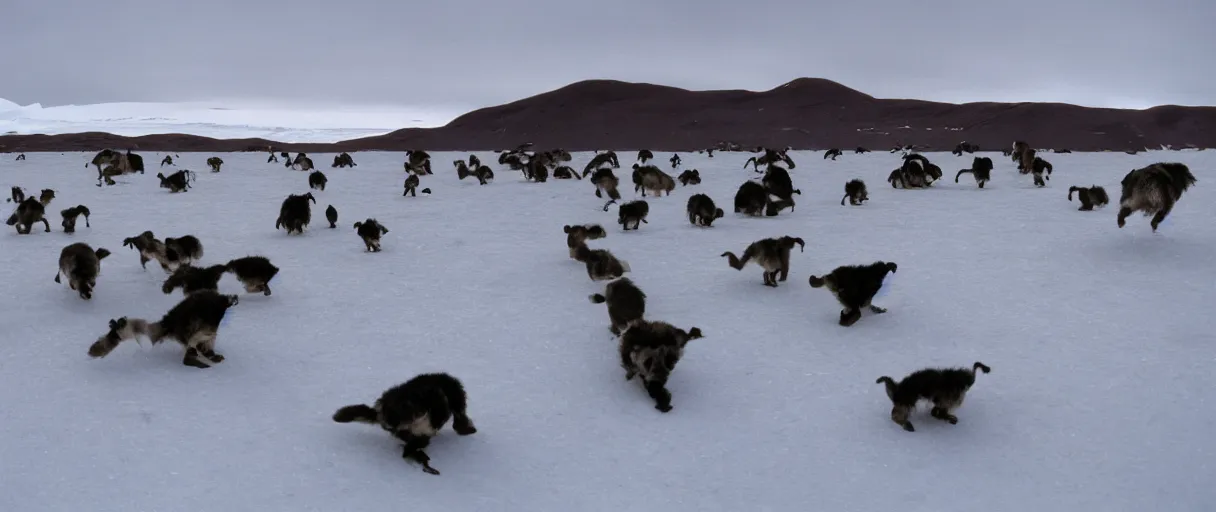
<point>343,160</point>
<point>565,172</point>
<point>30,211</point>
<point>945,387</point>
<point>215,163</point>
<point>1020,148</point>
<point>301,162</point>
<point>254,273</point>
<point>110,163</point>
<point>651,178</point>
<point>20,157</point>
<point>651,350</point>
<point>770,157</point>
<point>675,161</point>
<point>702,211</point>
<point>1038,167</point>
<point>916,172</point>
<point>602,160</point>
<point>772,254</point>
<point>777,183</point>
<point>150,248</point>
<point>331,215</point>
<point>370,231</point>
<point>1089,197</point>
<point>17,196</point>
<point>854,287</point>
<point>168,160</point>
<point>577,236</point>
<point>1153,190</point>
<point>193,322</point>
<point>187,248</point>
<point>192,279</point>
<point>295,213</point>
<point>965,147</point>
<point>317,180</point>
<point>981,170</point>
<point>536,170</point>
<point>832,154</point>
<point>81,264</point>
<point>690,177</point>
<point>483,173</point>
<point>626,304</point>
<point>632,213</point>
<point>752,198</point>
<point>855,192</point>
<point>601,264</point>
<point>418,162</point>
<point>860,151</point>
<point>414,412</point>
<point>645,156</point>
<point>69,217</point>
<point>176,182</point>
<point>411,187</point>
<point>605,182</point>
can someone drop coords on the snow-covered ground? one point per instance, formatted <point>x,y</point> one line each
<point>221,120</point>
<point>1100,342</point>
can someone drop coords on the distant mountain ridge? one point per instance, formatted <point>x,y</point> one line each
<point>806,113</point>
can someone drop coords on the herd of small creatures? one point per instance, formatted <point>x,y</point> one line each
<point>416,410</point>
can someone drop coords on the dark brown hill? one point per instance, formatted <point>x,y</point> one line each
<point>807,113</point>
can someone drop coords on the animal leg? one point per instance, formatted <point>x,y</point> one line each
<point>143,261</point>
<point>198,344</point>
<point>660,394</point>
<point>48,224</point>
<point>266,289</point>
<point>413,451</point>
<point>1160,216</point>
<point>899,414</point>
<point>849,317</point>
<point>943,414</point>
<point>1124,212</point>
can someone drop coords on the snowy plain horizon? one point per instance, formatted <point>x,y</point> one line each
<point>225,119</point>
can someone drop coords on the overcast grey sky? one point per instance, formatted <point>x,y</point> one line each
<point>484,52</point>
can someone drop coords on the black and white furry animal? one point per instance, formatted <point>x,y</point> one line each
<point>1089,197</point>
<point>176,182</point>
<point>1154,190</point>
<point>606,159</point>
<point>418,162</point>
<point>254,273</point>
<point>482,172</point>
<point>411,186</point>
<point>17,196</point>
<point>651,351</point>
<point>916,172</point>
<point>343,160</point>
<point>772,254</point>
<point>81,264</point>
<point>854,287</point>
<point>860,151</point>
<point>150,248</point>
<point>295,213</point>
<point>187,248</point>
<point>855,192</point>
<point>605,182</point>
<point>168,160</point>
<point>752,198</point>
<point>981,170</point>
<point>690,177</point>
<point>192,279</point>
<point>414,412</point>
<point>626,303</point>
<point>632,213</point>
<point>832,154</point>
<point>702,211</point>
<point>1038,167</point>
<point>770,157</point>
<point>30,211</point>
<point>69,217</point>
<point>20,157</point>
<point>193,322</point>
<point>577,235</point>
<point>777,183</point>
<point>302,162</point>
<point>945,387</point>
<point>215,163</point>
<point>317,180</point>
<point>331,215</point>
<point>370,230</point>
<point>601,264</point>
<point>644,156</point>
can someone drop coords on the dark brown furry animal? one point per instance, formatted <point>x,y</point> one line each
<point>537,169</point>
<point>18,196</point>
<point>577,236</point>
<point>370,231</point>
<point>600,160</point>
<point>601,264</point>
<point>644,156</point>
<point>965,147</point>
<point>675,160</point>
<point>626,303</point>
<point>343,160</point>
<point>193,322</point>
<point>331,215</point>
<point>414,412</point>
<point>854,287</point>
<point>192,279</point>
<point>565,172</point>
<point>20,157</point>
<point>254,273</point>
<point>702,211</point>
<point>317,180</point>
<point>772,254</point>
<point>150,248</point>
<point>215,163</point>
<point>1089,197</point>
<point>981,170</point>
<point>302,162</point>
<point>632,213</point>
<point>411,186</point>
<point>651,351</point>
<point>176,182</point>
<point>295,213</point>
<point>1038,167</point>
<point>860,151</point>
<point>945,387</point>
<point>81,264</point>
<point>69,217</point>
<point>855,192</point>
<point>418,162</point>
<point>770,157</point>
<point>605,182</point>
<point>777,183</point>
<point>30,211</point>
<point>832,154</point>
<point>1063,150</point>
<point>168,160</point>
<point>651,178</point>
<point>690,177</point>
<point>187,248</point>
<point>1153,190</point>
<point>752,198</point>
<point>1016,153</point>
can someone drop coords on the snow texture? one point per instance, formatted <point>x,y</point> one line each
<point>1100,342</point>
<point>225,119</point>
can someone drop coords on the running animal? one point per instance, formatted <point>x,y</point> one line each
<point>945,387</point>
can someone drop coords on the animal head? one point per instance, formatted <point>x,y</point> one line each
<point>46,196</point>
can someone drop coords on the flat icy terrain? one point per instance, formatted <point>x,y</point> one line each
<point>1100,342</point>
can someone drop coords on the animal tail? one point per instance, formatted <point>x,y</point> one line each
<point>609,203</point>
<point>121,330</point>
<point>1070,191</point>
<point>962,172</point>
<point>1181,176</point>
<point>597,298</point>
<point>981,367</point>
<point>735,262</point>
<point>891,386</point>
<point>846,196</point>
<point>361,413</point>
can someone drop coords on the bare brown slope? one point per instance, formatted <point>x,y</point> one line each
<point>806,113</point>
